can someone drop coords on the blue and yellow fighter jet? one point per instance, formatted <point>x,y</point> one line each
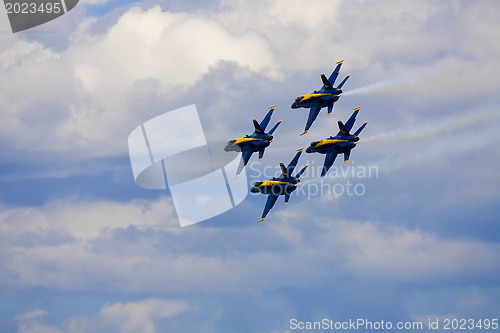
<point>343,142</point>
<point>285,184</point>
<point>258,141</point>
<point>326,96</point>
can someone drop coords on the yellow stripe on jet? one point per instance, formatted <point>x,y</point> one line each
<point>271,183</point>
<point>243,140</point>
<point>309,96</point>
<point>328,141</point>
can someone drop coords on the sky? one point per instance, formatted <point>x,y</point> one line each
<point>84,249</point>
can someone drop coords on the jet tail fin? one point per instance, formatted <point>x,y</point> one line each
<point>360,129</point>
<point>284,170</point>
<point>342,128</point>
<point>261,153</point>
<point>346,155</point>
<point>267,118</point>
<point>287,197</point>
<point>275,127</point>
<point>330,108</point>
<point>335,73</point>
<point>258,129</point>
<point>326,84</point>
<point>343,82</point>
<point>301,171</point>
<point>352,119</point>
<point>293,163</point>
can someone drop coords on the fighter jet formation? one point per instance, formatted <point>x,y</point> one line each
<point>259,140</point>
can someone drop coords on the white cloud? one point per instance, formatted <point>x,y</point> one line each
<point>370,251</point>
<point>174,48</point>
<point>299,32</point>
<point>32,322</point>
<point>131,317</point>
<point>113,245</point>
<point>413,255</point>
<point>140,316</point>
<point>86,220</point>
<point>75,100</point>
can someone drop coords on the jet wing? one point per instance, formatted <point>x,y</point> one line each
<point>271,200</point>
<point>313,114</point>
<point>329,159</point>
<point>245,156</point>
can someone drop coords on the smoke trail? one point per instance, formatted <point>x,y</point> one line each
<point>382,86</point>
<point>447,146</point>
<point>447,124</point>
<point>401,85</point>
<point>442,148</point>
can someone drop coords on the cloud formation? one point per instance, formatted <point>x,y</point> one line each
<point>131,317</point>
<point>76,246</point>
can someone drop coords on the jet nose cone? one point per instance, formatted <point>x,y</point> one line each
<point>309,150</point>
<point>254,189</point>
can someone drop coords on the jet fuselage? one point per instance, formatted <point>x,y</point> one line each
<point>254,142</point>
<point>338,143</point>
<point>324,98</point>
<point>276,186</point>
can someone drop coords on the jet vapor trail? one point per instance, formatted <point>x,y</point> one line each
<point>442,147</point>
<point>447,124</point>
<point>382,86</point>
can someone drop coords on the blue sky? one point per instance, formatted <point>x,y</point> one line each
<point>83,249</point>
